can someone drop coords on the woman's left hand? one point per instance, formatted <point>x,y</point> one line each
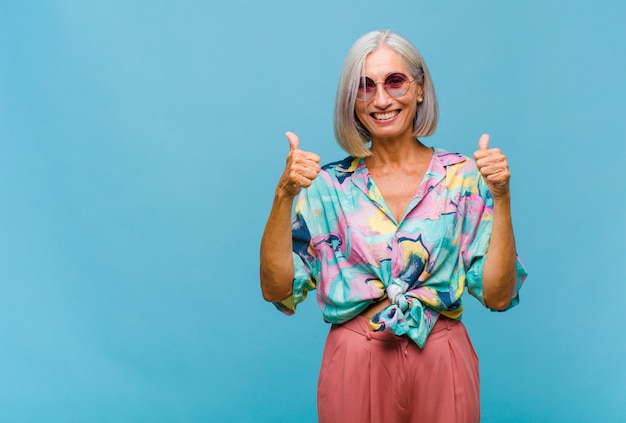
<point>493,166</point>
<point>499,273</point>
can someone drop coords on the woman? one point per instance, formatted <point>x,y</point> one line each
<point>390,237</point>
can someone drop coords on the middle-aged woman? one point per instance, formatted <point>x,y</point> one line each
<point>390,237</point>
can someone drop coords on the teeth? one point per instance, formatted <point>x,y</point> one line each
<point>384,116</point>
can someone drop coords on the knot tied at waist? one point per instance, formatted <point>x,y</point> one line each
<point>395,293</point>
<point>406,315</point>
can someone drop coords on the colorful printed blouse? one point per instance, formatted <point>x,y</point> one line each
<point>348,245</point>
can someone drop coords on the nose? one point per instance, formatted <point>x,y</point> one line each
<point>382,99</point>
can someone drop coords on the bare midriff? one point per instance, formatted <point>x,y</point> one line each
<point>375,308</point>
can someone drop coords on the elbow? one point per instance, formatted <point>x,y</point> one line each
<point>273,296</point>
<point>499,301</point>
<point>498,304</point>
<point>274,292</point>
<point>499,294</point>
<point>267,296</point>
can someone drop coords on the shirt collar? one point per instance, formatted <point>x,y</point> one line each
<point>447,158</point>
<point>356,165</point>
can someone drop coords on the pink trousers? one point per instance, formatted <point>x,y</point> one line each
<point>379,377</point>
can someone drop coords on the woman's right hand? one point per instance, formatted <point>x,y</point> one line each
<point>276,245</point>
<point>301,169</point>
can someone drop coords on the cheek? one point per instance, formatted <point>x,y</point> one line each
<point>359,111</point>
<point>410,111</point>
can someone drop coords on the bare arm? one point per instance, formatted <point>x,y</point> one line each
<point>276,269</point>
<point>499,272</point>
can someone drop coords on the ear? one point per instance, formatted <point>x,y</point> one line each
<point>419,92</point>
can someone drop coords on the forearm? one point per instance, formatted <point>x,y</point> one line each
<point>277,269</point>
<point>499,272</point>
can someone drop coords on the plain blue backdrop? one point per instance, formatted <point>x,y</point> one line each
<point>140,144</point>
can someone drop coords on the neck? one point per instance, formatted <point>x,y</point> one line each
<point>397,152</point>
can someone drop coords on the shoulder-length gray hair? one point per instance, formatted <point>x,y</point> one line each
<point>350,133</point>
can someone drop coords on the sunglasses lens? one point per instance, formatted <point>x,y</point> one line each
<point>397,84</point>
<point>366,89</point>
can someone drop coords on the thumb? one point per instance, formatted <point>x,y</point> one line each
<point>483,142</point>
<point>294,141</point>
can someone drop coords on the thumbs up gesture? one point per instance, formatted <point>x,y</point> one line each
<point>301,169</point>
<point>493,166</point>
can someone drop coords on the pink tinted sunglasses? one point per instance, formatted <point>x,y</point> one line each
<point>396,84</point>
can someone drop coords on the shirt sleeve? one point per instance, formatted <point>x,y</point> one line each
<point>477,228</point>
<point>305,263</point>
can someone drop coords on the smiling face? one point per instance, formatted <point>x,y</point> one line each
<point>384,116</point>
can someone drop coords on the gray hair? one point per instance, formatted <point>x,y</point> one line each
<point>351,135</point>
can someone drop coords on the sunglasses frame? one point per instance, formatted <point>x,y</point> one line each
<point>367,79</point>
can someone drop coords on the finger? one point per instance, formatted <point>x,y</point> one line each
<point>306,166</point>
<point>498,181</point>
<point>294,141</point>
<point>493,167</point>
<point>310,157</point>
<point>494,171</point>
<point>483,142</point>
<point>302,171</point>
<point>309,172</point>
<point>490,157</point>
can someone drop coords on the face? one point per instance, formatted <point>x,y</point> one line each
<point>382,115</point>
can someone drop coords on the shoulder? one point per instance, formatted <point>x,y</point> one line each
<point>346,165</point>
<point>455,162</point>
<point>337,172</point>
<point>330,185</point>
<point>332,180</point>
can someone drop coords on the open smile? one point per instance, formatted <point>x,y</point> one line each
<point>386,115</point>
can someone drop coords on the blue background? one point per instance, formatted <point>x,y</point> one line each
<point>140,144</point>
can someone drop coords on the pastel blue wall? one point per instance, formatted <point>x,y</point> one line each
<point>140,143</point>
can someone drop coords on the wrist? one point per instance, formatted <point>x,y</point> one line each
<point>501,197</point>
<point>284,194</point>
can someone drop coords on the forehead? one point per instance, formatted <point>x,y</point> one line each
<point>383,61</point>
